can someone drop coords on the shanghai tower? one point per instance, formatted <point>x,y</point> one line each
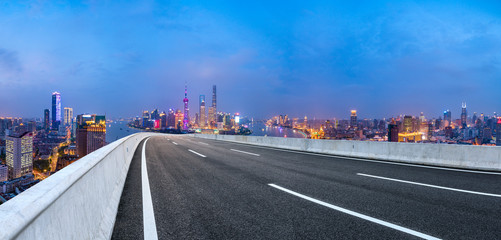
<point>214,104</point>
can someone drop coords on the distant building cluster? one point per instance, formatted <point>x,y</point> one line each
<point>206,120</point>
<point>475,130</point>
<point>32,149</point>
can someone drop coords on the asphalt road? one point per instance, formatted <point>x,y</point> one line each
<point>207,189</point>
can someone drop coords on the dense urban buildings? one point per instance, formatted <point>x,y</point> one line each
<point>179,122</point>
<point>471,130</point>
<point>34,148</point>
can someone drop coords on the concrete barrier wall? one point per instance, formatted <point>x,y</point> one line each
<point>78,202</point>
<point>445,155</point>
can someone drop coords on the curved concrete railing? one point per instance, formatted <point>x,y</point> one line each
<point>445,155</point>
<point>78,202</point>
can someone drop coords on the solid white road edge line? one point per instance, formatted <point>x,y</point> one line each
<point>429,185</point>
<point>254,154</point>
<point>203,143</point>
<point>201,155</point>
<point>362,159</point>
<point>149,224</point>
<point>355,214</point>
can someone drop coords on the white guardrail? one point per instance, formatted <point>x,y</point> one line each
<point>445,155</point>
<point>78,202</point>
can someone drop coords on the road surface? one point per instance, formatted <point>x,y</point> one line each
<point>181,187</point>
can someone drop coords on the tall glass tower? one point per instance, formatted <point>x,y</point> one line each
<point>202,120</point>
<point>463,115</point>
<point>56,110</point>
<point>214,104</point>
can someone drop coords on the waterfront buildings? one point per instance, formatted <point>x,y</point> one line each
<point>186,117</point>
<point>171,119</point>
<point>213,117</point>
<point>393,132</point>
<point>202,120</point>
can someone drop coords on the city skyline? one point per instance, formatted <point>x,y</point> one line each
<point>316,59</point>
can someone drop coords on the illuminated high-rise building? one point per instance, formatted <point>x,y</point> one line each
<point>408,128</point>
<point>56,110</point>
<point>464,115</point>
<point>392,131</point>
<point>90,134</point>
<point>68,116</point>
<point>171,119</point>
<point>202,121</point>
<point>447,118</point>
<point>163,120</point>
<point>214,104</point>
<point>19,154</point>
<point>46,119</point>
<point>212,121</point>
<point>154,114</point>
<point>353,119</point>
<point>186,117</point>
<point>498,133</point>
<point>146,118</point>
<point>179,116</point>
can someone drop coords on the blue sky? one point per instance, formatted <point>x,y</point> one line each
<point>320,59</point>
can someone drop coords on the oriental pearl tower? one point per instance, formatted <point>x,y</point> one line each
<point>186,120</point>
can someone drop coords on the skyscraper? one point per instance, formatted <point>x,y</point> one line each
<point>91,133</point>
<point>214,98</point>
<point>392,131</point>
<point>56,110</point>
<point>163,120</point>
<point>171,119</point>
<point>19,150</point>
<point>46,120</point>
<point>146,118</point>
<point>408,124</point>
<point>353,119</point>
<point>463,115</point>
<point>186,119</point>
<point>68,116</point>
<point>447,118</point>
<point>202,119</point>
<point>213,116</point>
<point>498,132</point>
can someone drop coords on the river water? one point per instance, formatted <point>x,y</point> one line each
<point>117,130</point>
<point>260,129</point>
